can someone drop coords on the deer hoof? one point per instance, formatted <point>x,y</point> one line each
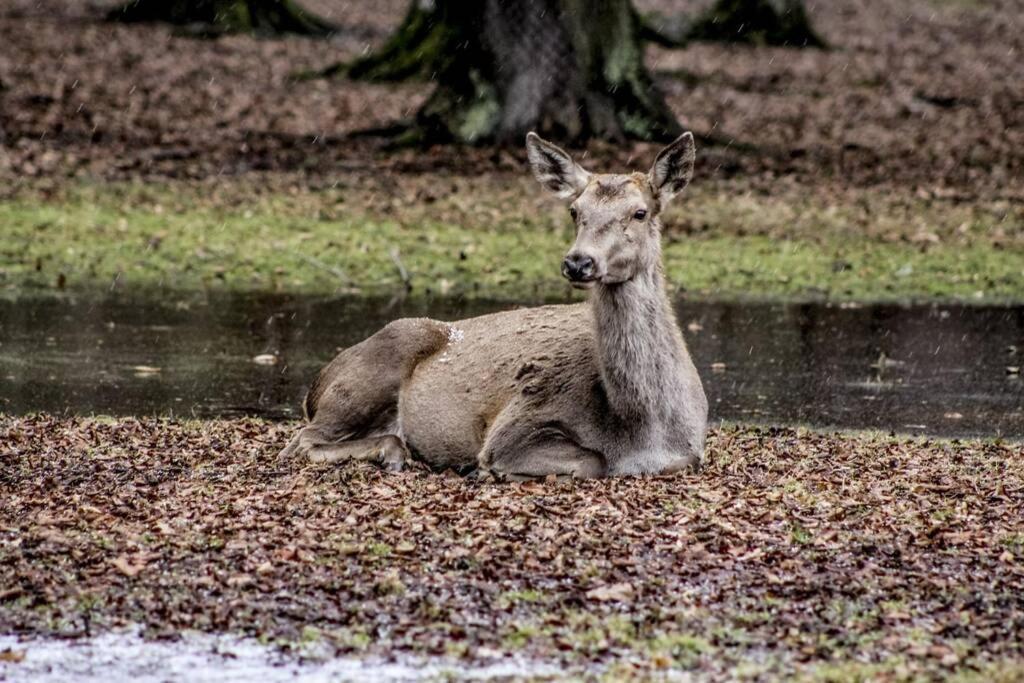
<point>393,465</point>
<point>393,455</point>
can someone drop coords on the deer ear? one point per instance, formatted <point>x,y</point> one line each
<point>554,168</point>
<point>673,168</point>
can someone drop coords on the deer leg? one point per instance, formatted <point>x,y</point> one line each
<point>562,460</point>
<point>352,406</point>
<point>518,453</point>
<point>386,451</point>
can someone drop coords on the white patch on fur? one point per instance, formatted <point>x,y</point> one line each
<point>455,335</point>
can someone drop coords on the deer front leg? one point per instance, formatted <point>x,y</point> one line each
<point>387,451</point>
<point>515,453</point>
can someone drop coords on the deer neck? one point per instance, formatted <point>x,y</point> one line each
<point>640,348</point>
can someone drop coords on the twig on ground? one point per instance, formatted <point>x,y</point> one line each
<point>333,270</point>
<point>402,272</point>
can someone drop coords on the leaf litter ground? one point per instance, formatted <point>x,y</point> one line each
<point>826,555</point>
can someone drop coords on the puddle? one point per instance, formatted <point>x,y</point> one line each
<point>202,658</point>
<point>943,370</point>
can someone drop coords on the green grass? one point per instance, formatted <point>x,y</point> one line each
<point>103,245</point>
<point>745,246</point>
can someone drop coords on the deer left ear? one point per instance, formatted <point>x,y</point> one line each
<point>673,168</point>
<point>554,168</point>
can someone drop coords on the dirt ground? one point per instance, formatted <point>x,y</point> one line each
<point>926,97</point>
<point>829,556</point>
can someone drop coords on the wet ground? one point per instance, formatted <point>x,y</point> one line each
<point>936,369</point>
<point>202,658</point>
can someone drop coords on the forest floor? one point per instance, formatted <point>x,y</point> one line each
<point>890,166</point>
<point>792,553</point>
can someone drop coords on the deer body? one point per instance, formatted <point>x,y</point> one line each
<point>601,388</point>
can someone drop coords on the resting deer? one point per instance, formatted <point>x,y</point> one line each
<point>587,390</point>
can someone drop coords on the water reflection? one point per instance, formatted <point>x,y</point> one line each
<point>932,369</point>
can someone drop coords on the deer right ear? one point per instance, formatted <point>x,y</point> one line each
<point>673,169</point>
<point>554,168</point>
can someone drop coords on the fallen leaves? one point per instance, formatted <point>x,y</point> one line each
<point>888,546</point>
<point>240,581</point>
<point>129,566</point>
<point>619,592</point>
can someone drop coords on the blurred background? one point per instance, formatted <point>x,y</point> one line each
<point>922,97</point>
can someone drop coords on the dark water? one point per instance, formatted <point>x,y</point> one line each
<point>926,369</point>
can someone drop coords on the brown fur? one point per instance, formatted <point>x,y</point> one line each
<point>583,390</point>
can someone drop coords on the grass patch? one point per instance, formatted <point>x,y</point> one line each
<point>509,245</point>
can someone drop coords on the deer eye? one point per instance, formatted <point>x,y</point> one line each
<point>640,214</point>
<point>572,212</point>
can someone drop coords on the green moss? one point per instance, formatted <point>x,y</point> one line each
<point>799,534</point>
<point>1014,541</point>
<point>378,549</point>
<point>857,268</point>
<point>510,598</point>
<point>716,245</point>
<point>353,638</point>
<point>852,671</point>
<point>520,635</point>
<point>415,49</point>
<point>682,648</point>
<point>1004,671</point>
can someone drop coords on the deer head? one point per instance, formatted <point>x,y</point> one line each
<point>618,233</point>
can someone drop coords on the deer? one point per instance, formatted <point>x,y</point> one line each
<point>601,388</point>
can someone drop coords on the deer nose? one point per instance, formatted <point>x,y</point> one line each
<point>578,267</point>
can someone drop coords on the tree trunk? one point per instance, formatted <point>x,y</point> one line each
<point>569,69</point>
<point>416,49</point>
<point>761,22</point>
<point>212,17</point>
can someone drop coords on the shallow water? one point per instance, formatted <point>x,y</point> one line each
<point>202,658</point>
<point>939,369</point>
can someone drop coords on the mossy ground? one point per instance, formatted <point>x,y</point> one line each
<point>499,237</point>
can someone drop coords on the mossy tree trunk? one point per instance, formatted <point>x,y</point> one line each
<point>758,22</point>
<point>571,69</point>
<point>264,17</point>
